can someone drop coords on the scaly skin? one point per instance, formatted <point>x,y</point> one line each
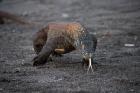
<point>66,36</point>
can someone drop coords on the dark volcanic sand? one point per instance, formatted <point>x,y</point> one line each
<point>119,65</point>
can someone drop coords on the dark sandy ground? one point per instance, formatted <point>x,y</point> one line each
<point>119,65</point>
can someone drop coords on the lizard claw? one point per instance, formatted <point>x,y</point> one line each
<point>89,66</point>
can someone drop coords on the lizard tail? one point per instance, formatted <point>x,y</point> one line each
<point>17,19</point>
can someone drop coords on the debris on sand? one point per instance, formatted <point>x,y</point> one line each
<point>129,45</point>
<point>64,15</point>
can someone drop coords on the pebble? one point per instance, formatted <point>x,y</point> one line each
<point>132,90</point>
<point>135,38</point>
<point>13,30</point>
<point>25,13</point>
<point>129,45</point>
<point>65,15</point>
<point>17,70</point>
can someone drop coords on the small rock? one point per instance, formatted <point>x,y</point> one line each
<point>129,45</point>
<point>94,33</point>
<point>25,13</point>
<point>17,70</point>
<point>57,79</point>
<point>135,38</point>
<point>132,90</point>
<point>13,79</point>
<point>32,49</point>
<point>65,15</point>
<point>13,30</point>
